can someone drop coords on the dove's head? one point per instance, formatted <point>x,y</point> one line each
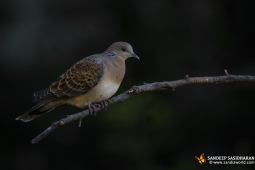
<point>122,50</point>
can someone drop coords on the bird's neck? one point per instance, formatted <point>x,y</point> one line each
<point>115,67</point>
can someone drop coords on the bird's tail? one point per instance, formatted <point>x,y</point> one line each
<point>38,110</point>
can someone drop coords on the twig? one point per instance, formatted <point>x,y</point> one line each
<point>226,72</point>
<point>80,121</point>
<point>149,87</point>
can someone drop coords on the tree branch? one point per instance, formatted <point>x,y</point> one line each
<point>149,87</point>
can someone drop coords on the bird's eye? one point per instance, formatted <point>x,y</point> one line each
<point>123,49</point>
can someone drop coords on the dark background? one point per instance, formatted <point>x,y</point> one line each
<point>41,39</point>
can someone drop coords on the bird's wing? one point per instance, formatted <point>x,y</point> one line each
<point>78,80</point>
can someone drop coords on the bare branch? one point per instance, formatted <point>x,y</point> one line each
<point>149,87</point>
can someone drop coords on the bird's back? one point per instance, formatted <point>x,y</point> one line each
<point>78,80</point>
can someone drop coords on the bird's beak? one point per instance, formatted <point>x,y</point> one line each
<point>135,56</point>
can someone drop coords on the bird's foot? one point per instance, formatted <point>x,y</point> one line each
<point>104,104</point>
<point>92,109</point>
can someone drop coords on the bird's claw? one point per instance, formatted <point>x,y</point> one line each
<point>92,107</point>
<point>104,104</point>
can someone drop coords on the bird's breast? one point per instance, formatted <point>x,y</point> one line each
<point>102,91</point>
